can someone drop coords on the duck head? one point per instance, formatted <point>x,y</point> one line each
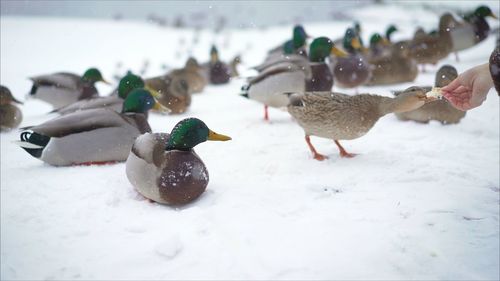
<point>141,101</point>
<point>445,75</point>
<point>351,41</point>
<point>214,54</point>
<point>391,29</point>
<point>93,75</point>
<point>6,96</point>
<point>321,48</point>
<point>410,99</point>
<point>484,11</point>
<point>190,132</point>
<point>299,36</point>
<point>376,39</point>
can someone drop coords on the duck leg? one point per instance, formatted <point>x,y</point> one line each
<point>343,153</point>
<point>316,155</point>
<point>456,57</point>
<point>266,114</point>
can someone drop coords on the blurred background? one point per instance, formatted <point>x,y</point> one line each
<point>216,14</point>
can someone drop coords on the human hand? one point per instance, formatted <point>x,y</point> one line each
<point>470,88</point>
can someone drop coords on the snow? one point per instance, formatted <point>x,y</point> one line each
<point>418,202</point>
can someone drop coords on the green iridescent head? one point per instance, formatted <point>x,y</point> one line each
<point>484,11</point>
<point>321,48</point>
<point>351,41</point>
<point>138,101</point>
<point>128,83</point>
<point>391,29</point>
<point>190,132</point>
<point>93,75</point>
<point>299,36</point>
<point>375,39</point>
<point>288,48</point>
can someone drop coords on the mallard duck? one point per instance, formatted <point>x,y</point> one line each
<point>353,70</point>
<point>468,33</point>
<point>63,88</point>
<point>395,67</point>
<point>296,74</point>
<point>296,45</point>
<point>94,136</point>
<point>440,110</point>
<point>128,83</point>
<point>191,73</point>
<point>338,116</point>
<point>165,168</point>
<point>10,115</point>
<point>430,48</point>
<point>173,91</point>
<point>379,47</point>
<point>218,72</point>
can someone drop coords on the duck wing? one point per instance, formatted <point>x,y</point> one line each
<point>81,121</point>
<point>61,80</point>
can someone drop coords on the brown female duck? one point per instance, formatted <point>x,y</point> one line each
<point>440,110</point>
<point>10,115</point>
<point>338,116</point>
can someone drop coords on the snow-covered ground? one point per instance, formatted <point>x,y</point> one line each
<point>419,202</point>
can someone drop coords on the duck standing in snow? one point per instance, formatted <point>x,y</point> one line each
<point>430,48</point>
<point>440,110</point>
<point>353,70</point>
<point>472,30</point>
<point>338,116</point>
<point>10,115</point>
<point>63,88</point>
<point>94,136</point>
<point>295,74</point>
<point>165,168</point>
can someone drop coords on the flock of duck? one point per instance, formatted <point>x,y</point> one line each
<point>296,75</point>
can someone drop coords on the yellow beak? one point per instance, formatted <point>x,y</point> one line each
<point>217,137</point>
<point>153,92</point>
<point>160,107</point>
<point>105,82</point>
<point>493,16</point>
<point>338,52</point>
<point>355,43</point>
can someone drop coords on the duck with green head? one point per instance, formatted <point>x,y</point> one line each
<point>10,115</point>
<point>128,83</point>
<point>353,70</point>
<point>296,45</point>
<point>297,74</point>
<point>471,31</point>
<point>93,136</point>
<point>165,168</point>
<point>63,88</point>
